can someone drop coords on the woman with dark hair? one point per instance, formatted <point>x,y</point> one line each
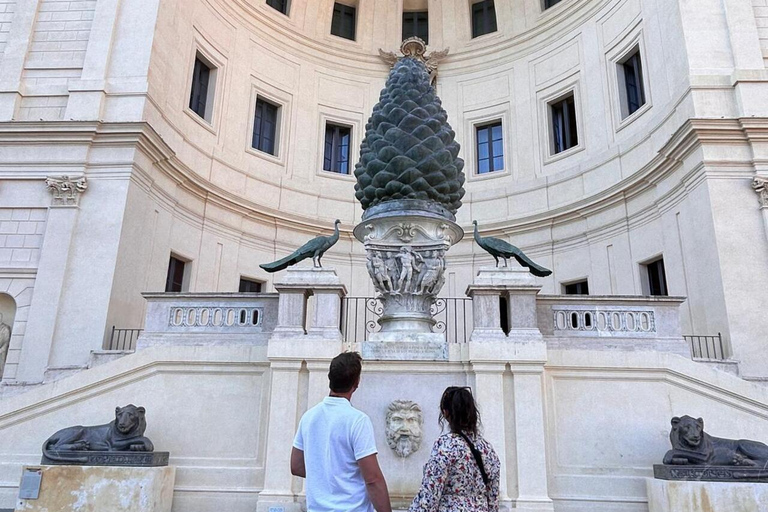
<point>462,473</point>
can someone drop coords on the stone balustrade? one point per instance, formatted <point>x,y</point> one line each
<point>582,321</point>
<point>209,318</point>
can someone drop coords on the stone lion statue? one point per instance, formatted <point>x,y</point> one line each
<point>124,433</point>
<point>404,427</point>
<point>692,446</point>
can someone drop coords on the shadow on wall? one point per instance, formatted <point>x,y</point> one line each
<point>7,315</point>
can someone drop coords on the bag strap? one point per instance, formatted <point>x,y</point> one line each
<point>478,458</point>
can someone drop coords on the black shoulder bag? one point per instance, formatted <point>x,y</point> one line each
<point>478,458</point>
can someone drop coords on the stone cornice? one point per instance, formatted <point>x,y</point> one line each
<point>692,134</point>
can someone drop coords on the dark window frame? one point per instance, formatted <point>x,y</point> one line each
<point>490,140</point>
<point>202,74</point>
<point>280,6</point>
<point>344,21</point>
<point>564,125</point>
<point>576,288</point>
<point>550,3</point>
<point>634,85</point>
<point>657,278</point>
<point>483,18</point>
<point>246,282</point>
<point>336,151</point>
<point>416,24</point>
<point>266,117</point>
<point>174,279</point>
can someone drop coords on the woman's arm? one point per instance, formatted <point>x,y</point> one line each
<point>435,476</point>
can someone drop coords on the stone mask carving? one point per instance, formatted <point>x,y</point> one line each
<point>404,427</point>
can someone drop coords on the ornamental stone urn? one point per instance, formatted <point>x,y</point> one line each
<point>410,184</point>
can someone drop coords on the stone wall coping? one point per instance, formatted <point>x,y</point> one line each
<point>611,300</point>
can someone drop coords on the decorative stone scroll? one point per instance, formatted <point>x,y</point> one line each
<point>760,185</point>
<point>66,192</point>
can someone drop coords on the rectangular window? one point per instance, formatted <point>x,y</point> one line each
<point>343,22</point>
<point>550,3</point>
<point>490,148</point>
<point>632,70</point>
<point>336,152</point>
<point>578,288</point>
<point>201,78</point>
<point>265,127</point>
<point>280,5</point>
<point>483,18</point>
<point>564,131</point>
<point>249,286</point>
<point>657,278</point>
<point>174,281</point>
<point>416,24</point>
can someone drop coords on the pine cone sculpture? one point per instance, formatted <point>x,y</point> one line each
<point>409,150</point>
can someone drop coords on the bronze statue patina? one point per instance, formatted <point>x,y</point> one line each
<point>696,455</point>
<point>314,249</point>
<point>94,445</point>
<point>500,249</point>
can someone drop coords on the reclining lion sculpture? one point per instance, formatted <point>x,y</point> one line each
<point>692,446</point>
<point>124,433</point>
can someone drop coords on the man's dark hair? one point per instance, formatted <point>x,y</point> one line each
<point>345,371</point>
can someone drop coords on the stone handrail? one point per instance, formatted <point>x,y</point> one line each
<point>209,318</point>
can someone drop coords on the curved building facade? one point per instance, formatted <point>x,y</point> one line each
<point>174,145</point>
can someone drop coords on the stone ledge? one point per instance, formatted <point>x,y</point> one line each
<point>678,496</point>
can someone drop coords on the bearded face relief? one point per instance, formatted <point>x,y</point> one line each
<point>404,427</point>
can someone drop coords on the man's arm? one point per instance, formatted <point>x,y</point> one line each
<point>375,483</point>
<point>297,463</point>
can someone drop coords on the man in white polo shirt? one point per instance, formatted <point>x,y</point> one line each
<point>335,451</point>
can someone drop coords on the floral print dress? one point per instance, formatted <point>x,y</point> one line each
<point>452,480</point>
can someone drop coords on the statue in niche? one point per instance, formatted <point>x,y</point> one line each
<point>404,427</point>
<point>124,433</point>
<point>5,343</point>
<point>409,261</point>
<point>692,446</point>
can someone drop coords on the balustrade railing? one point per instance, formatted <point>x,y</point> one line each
<point>123,339</point>
<point>706,348</point>
<point>360,315</point>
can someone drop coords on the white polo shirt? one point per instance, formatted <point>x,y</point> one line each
<point>333,436</point>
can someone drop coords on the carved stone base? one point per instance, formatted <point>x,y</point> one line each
<point>667,496</point>
<point>390,346</point>
<point>100,489</point>
<point>127,459</point>
<point>710,473</point>
<point>406,261</point>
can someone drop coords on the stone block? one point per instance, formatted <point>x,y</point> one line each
<point>672,496</point>
<point>400,346</point>
<point>102,489</point>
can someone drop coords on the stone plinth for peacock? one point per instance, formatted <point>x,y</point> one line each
<point>410,184</point>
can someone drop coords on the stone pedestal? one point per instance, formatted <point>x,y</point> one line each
<point>490,350</point>
<point>102,489</point>
<point>675,496</point>
<point>394,346</point>
<point>520,288</point>
<point>297,344</point>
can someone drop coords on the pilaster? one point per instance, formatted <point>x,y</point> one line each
<point>15,56</point>
<point>51,274</point>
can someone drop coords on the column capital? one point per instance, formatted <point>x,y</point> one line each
<point>65,190</point>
